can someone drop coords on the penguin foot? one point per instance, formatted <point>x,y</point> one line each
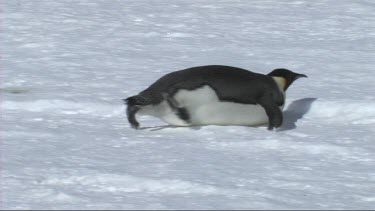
<point>181,112</point>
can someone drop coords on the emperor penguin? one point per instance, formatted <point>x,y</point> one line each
<point>214,95</point>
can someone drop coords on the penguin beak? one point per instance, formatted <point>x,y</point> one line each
<point>301,76</point>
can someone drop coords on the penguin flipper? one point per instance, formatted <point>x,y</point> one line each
<point>181,112</point>
<point>275,115</point>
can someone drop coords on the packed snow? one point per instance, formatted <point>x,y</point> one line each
<point>66,143</point>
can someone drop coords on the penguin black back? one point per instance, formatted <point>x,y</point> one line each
<point>230,83</point>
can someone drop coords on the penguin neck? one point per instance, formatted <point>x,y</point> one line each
<point>280,82</point>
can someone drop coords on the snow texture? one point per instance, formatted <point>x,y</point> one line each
<point>66,144</point>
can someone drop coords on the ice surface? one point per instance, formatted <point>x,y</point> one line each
<point>66,144</point>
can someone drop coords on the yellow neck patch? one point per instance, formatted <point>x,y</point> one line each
<point>281,82</point>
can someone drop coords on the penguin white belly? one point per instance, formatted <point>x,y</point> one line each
<point>205,108</point>
<point>226,113</point>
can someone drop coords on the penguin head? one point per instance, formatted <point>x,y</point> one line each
<point>288,76</point>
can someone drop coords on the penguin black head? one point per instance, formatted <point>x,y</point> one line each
<point>288,75</point>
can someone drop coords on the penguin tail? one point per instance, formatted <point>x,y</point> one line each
<point>135,100</point>
<point>130,100</point>
<point>133,106</point>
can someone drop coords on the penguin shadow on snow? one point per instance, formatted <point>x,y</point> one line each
<point>295,111</point>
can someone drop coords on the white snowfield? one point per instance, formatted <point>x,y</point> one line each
<point>65,142</point>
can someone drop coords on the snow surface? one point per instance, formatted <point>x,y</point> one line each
<point>66,144</point>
